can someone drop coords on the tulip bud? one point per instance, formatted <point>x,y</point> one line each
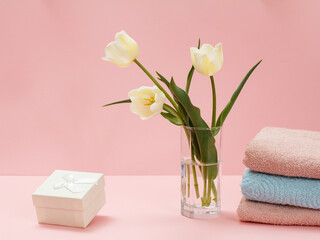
<point>122,51</point>
<point>208,59</point>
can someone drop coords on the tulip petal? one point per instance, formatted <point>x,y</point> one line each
<point>193,50</point>
<point>160,97</point>
<point>146,91</point>
<point>197,61</point>
<point>203,65</point>
<point>208,66</point>
<point>139,107</point>
<point>139,93</point>
<point>156,107</point>
<point>114,55</point>
<point>133,94</point>
<point>219,56</point>
<point>127,46</point>
<point>207,49</point>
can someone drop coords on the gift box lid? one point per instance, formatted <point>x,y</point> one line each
<point>69,190</point>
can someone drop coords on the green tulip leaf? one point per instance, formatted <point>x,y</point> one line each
<point>204,138</point>
<point>187,122</point>
<point>123,101</point>
<point>171,115</point>
<point>162,79</point>
<point>195,145</point>
<point>190,74</point>
<point>226,110</point>
<point>172,118</point>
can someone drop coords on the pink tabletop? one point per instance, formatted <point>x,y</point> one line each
<point>138,207</point>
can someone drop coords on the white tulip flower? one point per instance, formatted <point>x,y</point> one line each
<point>146,101</point>
<point>208,59</point>
<point>122,51</point>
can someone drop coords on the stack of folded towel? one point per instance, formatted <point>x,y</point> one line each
<point>281,184</point>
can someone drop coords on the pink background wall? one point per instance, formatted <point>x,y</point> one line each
<point>53,81</point>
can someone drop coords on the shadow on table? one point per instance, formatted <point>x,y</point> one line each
<point>280,228</point>
<point>231,217</point>
<point>222,218</point>
<point>98,222</point>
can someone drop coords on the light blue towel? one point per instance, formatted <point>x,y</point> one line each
<point>262,187</point>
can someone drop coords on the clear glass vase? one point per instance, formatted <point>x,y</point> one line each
<point>200,171</point>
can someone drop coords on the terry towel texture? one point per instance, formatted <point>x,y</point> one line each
<point>302,192</point>
<point>285,152</point>
<point>250,211</point>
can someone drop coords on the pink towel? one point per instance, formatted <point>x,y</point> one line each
<point>285,152</point>
<point>251,211</point>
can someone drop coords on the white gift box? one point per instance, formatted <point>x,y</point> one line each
<point>69,198</point>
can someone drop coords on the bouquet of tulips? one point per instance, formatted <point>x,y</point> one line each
<point>150,101</point>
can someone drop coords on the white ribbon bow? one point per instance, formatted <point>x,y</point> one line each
<point>71,182</point>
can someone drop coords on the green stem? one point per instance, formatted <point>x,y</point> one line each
<point>209,191</point>
<point>205,179</point>
<point>214,102</point>
<point>158,85</point>
<point>214,191</point>
<point>194,173</point>
<point>191,73</point>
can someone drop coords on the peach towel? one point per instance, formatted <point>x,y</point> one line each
<point>251,211</point>
<point>285,152</point>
